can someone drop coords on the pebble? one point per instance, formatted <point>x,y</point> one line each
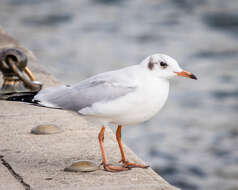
<point>45,129</point>
<point>82,166</point>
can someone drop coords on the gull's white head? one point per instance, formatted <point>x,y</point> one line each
<point>164,66</point>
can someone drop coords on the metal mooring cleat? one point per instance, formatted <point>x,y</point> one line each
<point>17,77</point>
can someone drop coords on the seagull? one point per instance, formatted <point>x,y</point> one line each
<point>123,97</point>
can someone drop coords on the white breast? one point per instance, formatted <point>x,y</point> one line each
<point>149,100</point>
<point>135,107</point>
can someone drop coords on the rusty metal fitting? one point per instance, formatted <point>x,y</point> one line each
<point>17,77</point>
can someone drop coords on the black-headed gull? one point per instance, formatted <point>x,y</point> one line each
<point>126,96</point>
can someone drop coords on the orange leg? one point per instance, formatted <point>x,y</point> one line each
<point>126,163</point>
<point>106,166</point>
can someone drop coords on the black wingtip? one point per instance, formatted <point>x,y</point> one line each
<point>27,98</point>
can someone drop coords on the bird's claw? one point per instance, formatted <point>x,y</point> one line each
<point>111,168</point>
<point>130,165</point>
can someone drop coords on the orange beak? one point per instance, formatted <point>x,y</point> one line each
<point>186,74</point>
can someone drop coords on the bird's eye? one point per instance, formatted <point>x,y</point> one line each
<point>163,64</point>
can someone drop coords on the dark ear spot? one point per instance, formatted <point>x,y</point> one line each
<point>151,65</point>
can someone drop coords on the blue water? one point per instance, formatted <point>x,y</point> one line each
<point>193,141</point>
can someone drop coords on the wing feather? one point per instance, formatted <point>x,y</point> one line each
<point>100,88</point>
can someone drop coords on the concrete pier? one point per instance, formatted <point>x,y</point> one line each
<point>37,162</point>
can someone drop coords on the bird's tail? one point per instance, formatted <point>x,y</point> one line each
<point>27,98</point>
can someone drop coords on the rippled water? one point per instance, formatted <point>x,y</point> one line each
<point>193,142</point>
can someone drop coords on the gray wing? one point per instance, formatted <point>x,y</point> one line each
<point>85,93</point>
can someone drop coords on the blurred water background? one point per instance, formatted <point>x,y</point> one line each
<point>193,141</point>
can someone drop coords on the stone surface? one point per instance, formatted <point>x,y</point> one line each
<point>7,181</point>
<point>41,159</point>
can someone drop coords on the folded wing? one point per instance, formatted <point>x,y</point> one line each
<point>84,94</point>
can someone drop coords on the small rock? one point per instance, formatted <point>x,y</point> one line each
<point>82,166</point>
<point>48,178</point>
<point>45,129</point>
